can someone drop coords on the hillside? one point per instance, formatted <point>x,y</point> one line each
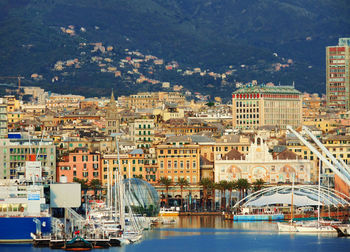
<point>214,35</point>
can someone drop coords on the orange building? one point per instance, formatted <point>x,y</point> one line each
<point>81,164</point>
<point>178,158</point>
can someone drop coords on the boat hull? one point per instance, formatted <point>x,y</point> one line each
<point>286,227</point>
<point>315,229</point>
<point>18,229</point>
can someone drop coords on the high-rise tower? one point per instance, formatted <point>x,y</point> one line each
<point>337,75</point>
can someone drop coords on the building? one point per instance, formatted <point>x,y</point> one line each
<point>112,117</point>
<point>258,106</point>
<point>178,158</point>
<point>143,132</point>
<point>260,164</point>
<point>17,151</point>
<point>132,165</point>
<point>337,75</point>
<point>3,118</point>
<point>80,164</point>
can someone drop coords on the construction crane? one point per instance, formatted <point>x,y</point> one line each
<point>15,77</point>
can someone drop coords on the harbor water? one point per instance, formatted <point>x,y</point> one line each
<point>202,234</point>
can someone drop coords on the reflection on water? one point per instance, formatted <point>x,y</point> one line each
<point>210,234</point>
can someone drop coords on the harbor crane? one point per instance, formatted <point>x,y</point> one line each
<point>338,167</point>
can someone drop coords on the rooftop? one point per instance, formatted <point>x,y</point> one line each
<point>268,90</point>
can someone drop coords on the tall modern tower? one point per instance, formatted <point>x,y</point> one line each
<point>338,75</point>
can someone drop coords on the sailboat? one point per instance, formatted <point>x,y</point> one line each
<point>316,227</point>
<point>290,226</point>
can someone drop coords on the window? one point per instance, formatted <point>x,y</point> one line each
<point>161,165</point>
<point>85,174</point>
<point>194,164</point>
<point>175,164</point>
<point>85,167</point>
<point>74,159</point>
<point>181,164</point>
<point>188,164</point>
<point>169,164</point>
<point>95,174</point>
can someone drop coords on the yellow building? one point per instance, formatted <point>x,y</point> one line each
<point>179,158</point>
<point>12,103</point>
<point>131,165</point>
<point>170,112</point>
<point>13,117</point>
<point>323,124</point>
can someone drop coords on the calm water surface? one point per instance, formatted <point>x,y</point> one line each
<point>214,234</point>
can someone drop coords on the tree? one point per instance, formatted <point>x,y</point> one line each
<point>206,184</point>
<point>167,183</point>
<point>232,185</point>
<point>182,183</point>
<point>83,183</point>
<point>258,184</point>
<point>243,186</point>
<point>222,186</point>
<point>95,184</point>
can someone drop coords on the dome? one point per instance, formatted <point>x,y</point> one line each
<point>142,197</point>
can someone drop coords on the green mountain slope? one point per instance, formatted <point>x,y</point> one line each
<point>196,33</point>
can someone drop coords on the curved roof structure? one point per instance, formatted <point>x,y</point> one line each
<point>303,195</point>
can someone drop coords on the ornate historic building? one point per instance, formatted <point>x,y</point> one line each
<point>260,164</point>
<point>112,117</point>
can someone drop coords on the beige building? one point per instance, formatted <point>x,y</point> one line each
<point>260,164</point>
<point>112,117</point>
<point>17,151</point>
<point>257,106</point>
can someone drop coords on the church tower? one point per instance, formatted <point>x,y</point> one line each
<point>112,116</point>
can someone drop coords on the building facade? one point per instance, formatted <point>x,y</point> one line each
<point>338,75</point>
<point>17,151</point>
<point>260,164</point>
<point>3,118</point>
<point>80,164</point>
<point>258,106</point>
<point>178,158</point>
<point>112,117</point>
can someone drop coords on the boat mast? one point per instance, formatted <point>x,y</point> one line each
<point>108,191</point>
<point>120,191</point>
<point>292,203</point>
<point>319,190</point>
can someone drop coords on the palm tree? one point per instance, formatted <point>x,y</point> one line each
<point>167,183</point>
<point>232,185</point>
<point>243,186</point>
<point>182,182</point>
<point>95,184</point>
<point>258,184</point>
<point>206,184</point>
<point>222,186</point>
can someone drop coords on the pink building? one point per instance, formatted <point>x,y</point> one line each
<point>81,164</point>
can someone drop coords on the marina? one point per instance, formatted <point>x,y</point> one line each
<point>210,233</point>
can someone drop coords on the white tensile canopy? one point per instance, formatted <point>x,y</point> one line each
<point>283,198</point>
